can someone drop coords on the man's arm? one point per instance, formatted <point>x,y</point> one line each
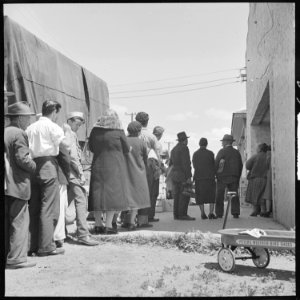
<point>22,156</point>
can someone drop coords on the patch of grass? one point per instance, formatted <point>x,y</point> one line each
<point>172,293</point>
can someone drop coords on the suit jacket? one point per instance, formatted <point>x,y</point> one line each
<point>21,164</point>
<point>181,162</point>
<point>233,162</point>
<point>204,164</point>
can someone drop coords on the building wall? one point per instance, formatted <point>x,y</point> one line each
<point>270,62</point>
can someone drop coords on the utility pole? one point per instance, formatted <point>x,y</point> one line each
<point>169,145</point>
<point>131,114</point>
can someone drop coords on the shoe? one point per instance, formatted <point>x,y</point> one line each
<point>131,227</point>
<point>153,220</point>
<point>125,225</point>
<point>212,216</point>
<point>144,225</point>
<point>235,216</point>
<point>186,218</point>
<point>88,241</point>
<point>204,216</point>
<point>254,214</point>
<point>59,243</point>
<point>21,265</point>
<point>99,229</point>
<point>114,225</point>
<point>110,230</point>
<point>57,251</point>
<point>265,214</point>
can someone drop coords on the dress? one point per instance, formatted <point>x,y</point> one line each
<point>108,183</point>
<point>204,176</point>
<point>136,160</point>
<point>258,167</point>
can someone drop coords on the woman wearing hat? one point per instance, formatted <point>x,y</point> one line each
<point>18,190</point>
<point>108,183</point>
<point>138,192</point>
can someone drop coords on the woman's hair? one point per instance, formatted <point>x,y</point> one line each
<point>134,128</point>
<point>109,120</point>
<point>263,147</point>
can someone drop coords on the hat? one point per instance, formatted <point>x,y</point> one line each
<point>228,137</point>
<point>203,142</point>
<point>76,114</point>
<point>181,136</point>
<point>142,117</point>
<point>19,109</point>
<point>158,130</point>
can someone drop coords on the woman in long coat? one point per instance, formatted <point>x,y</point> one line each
<point>257,165</point>
<point>108,183</point>
<point>138,192</point>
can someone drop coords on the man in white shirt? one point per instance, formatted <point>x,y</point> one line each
<point>45,138</point>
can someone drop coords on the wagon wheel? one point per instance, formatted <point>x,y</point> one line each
<point>263,257</point>
<point>226,260</point>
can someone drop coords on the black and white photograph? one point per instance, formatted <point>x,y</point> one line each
<point>150,149</point>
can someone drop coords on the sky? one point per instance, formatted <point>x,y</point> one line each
<point>179,62</point>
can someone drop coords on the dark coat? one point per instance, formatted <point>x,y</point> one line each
<point>64,170</point>
<point>233,163</point>
<point>138,194</point>
<point>204,164</point>
<point>181,162</point>
<point>108,183</point>
<point>257,164</point>
<point>21,164</point>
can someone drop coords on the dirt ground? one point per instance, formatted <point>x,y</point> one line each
<point>114,269</point>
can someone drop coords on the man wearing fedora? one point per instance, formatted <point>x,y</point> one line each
<point>180,175</point>
<point>229,167</point>
<point>18,191</point>
<point>76,191</point>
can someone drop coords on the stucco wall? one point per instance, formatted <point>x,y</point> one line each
<point>270,62</point>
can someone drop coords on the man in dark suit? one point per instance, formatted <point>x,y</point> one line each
<point>19,167</point>
<point>229,167</point>
<point>180,175</point>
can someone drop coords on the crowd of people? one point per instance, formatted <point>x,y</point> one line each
<point>44,175</point>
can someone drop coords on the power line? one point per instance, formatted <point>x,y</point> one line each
<point>179,77</point>
<point>174,86</point>
<point>174,92</point>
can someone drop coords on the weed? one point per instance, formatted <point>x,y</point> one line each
<point>159,283</point>
<point>172,293</point>
<point>145,285</point>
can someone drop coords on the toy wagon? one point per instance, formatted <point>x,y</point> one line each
<point>255,241</point>
<point>257,247</point>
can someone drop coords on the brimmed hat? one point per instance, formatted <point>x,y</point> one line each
<point>181,136</point>
<point>228,137</point>
<point>19,109</point>
<point>76,114</point>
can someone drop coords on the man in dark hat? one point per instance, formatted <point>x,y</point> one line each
<point>17,193</point>
<point>180,175</point>
<point>229,167</point>
<point>45,140</point>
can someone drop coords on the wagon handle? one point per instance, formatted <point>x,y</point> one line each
<point>229,195</point>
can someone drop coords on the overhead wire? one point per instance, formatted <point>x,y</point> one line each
<point>174,92</point>
<point>174,86</point>
<point>177,77</point>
